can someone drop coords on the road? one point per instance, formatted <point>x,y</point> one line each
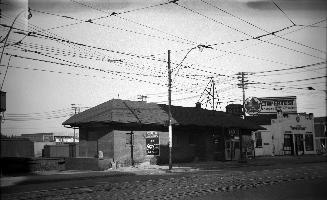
<point>306,181</point>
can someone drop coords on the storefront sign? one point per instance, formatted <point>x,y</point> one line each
<point>270,105</point>
<point>152,143</point>
<point>298,127</point>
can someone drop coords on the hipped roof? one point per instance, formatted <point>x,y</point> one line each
<point>128,112</point>
<point>121,111</point>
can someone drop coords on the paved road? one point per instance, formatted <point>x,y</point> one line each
<point>203,185</point>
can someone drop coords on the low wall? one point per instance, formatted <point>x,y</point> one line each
<point>87,164</point>
<point>14,165</point>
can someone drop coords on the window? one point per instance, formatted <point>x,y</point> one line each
<point>258,140</point>
<point>309,142</point>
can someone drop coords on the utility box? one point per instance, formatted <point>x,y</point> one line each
<point>2,101</point>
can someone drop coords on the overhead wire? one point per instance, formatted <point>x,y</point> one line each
<point>269,33</point>
<point>106,16</point>
<point>116,28</point>
<point>235,29</point>
<point>134,22</point>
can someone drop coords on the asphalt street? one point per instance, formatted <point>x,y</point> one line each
<point>301,181</point>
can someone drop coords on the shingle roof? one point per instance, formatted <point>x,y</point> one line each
<point>124,111</point>
<point>121,111</point>
<point>202,117</point>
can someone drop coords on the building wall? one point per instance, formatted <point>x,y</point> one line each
<point>266,146</point>
<point>189,144</point>
<point>17,148</point>
<point>122,150</point>
<point>288,124</point>
<point>95,139</point>
<point>321,134</point>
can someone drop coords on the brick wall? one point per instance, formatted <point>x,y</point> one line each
<point>96,139</point>
<point>122,151</point>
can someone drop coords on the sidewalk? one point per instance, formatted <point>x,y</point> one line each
<point>147,169</point>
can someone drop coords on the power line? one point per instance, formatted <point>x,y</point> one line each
<point>286,69</point>
<point>284,13</point>
<point>112,27</point>
<point>134,22</point>
<point>235,29</point>
<point>103,17</point>
<point>269,33</point>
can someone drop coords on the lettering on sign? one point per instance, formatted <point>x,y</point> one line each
<point>298,127</point>
<point>152,143</point>
<point>268,105</point>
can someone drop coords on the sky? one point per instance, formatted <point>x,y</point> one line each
<point>86,52</point>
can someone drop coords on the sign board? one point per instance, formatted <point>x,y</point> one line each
<point>2,101</point>
<point>252,106</point>
<point>270,105</point>
<point>152,143</point>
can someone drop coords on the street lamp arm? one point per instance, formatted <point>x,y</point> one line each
<point>200,47</point>
<point>5,39</point>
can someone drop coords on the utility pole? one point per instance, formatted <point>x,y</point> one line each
<point>210,90</point>
<point>131,143</point>
<point>170,130</point>
<point>213,94</point>
<point>242,85</point>
<point>75,112</point>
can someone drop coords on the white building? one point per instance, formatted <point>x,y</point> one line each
<point>287,134</point>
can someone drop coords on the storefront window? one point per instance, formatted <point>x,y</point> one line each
<point>309,142</point>
<point>258,140</point>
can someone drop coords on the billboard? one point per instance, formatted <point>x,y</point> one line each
<point>270,105</point>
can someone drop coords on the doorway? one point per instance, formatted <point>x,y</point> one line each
<point>232,149</point>
<point>299,144</point>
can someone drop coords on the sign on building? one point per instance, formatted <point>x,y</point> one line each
<point>270,105</point>
<point>152,143</point>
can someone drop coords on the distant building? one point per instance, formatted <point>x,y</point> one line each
<point>320,125</point>
<point>235,109</point>
<point>39,140</point>
<point>39,137</point>
<point>63,139</point>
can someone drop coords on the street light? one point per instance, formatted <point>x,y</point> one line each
<point>200,47</point>
<point>170,129</point>
<point>5,39</point>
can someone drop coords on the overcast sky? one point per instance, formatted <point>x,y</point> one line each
<point>88,52</point>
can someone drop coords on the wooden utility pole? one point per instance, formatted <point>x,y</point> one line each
<point>75,112</point>
<point>170,130</point>
<point>242,85</point>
